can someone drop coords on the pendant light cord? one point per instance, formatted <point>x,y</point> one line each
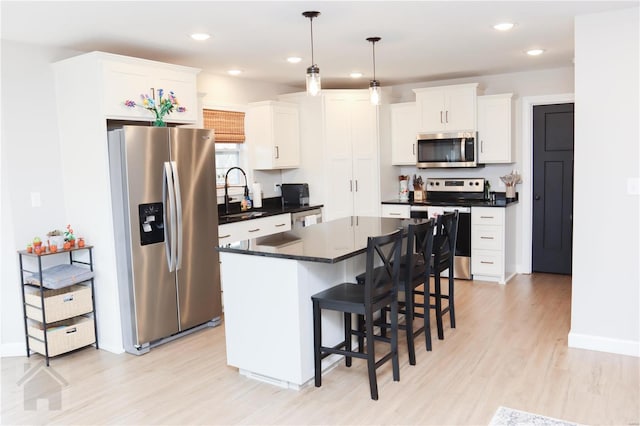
<point>374,59</point>
<point>313,62</point>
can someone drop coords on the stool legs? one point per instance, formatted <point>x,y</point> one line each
<point>371,361</point>
<point>317,341</point>
<point>438,304</point>
<point>347,337</point>
<point>452,311</point>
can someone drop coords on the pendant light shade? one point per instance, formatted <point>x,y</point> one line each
<point>375,92</point>
<point>313,72</point>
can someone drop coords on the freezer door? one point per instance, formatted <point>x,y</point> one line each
<point>198,268</point>
<point>154,288</point>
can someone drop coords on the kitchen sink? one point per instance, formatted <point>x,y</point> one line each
<point>242,215</point>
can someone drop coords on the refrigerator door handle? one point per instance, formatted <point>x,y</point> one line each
<point>170,243</point>
<point>178,209</point>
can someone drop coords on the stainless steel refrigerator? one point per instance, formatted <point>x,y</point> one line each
<point>163,187</point>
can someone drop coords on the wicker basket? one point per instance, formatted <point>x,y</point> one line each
<point>59,304</point>
<point>62,337</point>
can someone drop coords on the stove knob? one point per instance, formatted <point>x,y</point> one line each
<point>437,183</point>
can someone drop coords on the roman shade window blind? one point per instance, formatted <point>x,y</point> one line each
<point>228,125</point>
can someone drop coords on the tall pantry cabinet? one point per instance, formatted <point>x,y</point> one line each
<point>339,152</point>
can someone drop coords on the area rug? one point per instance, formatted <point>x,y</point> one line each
<point>509,417</point>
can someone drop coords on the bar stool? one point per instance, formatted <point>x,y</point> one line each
<point>444,250</point>
<point>379,290</point>
<point>415,271</point>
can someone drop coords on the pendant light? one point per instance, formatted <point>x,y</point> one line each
<point>313,72</point>
<point>374,85</point>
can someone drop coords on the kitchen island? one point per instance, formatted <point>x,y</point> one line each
<point>269,282</point>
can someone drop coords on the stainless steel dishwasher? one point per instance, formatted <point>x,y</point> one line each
<point>306,218</point>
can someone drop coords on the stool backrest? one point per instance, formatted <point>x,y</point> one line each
<point>384,249</point>
<point>421,236</point>
<point>446,234</point>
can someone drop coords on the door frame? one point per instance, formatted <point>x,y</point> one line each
<point>528,102</point>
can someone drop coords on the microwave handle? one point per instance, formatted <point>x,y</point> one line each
<point>462,149</point>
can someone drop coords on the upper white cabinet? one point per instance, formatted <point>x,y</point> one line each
<point>351,162</point>
<point>339,152</point>
<point>446,108</point>
<point>125,79</point>
<point>494,129</point>
<point>273,135</point>
<point>404,129</point>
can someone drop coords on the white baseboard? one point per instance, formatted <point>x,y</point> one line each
<point>19,349</point>
<point>13,349</point>
<point>604,344</point>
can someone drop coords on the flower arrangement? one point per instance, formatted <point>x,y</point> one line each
<point>68,234</point>
<point>166,105</point>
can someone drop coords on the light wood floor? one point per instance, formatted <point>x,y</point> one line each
<point>510,349</point>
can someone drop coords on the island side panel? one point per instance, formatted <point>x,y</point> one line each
<point>313,278</point>
<point>268,317</point>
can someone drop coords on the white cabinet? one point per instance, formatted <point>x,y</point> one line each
<point>404,129</point>
<point>492,259</point>
<point>494,129</point>
<point>254,228</point>
<point>446,108</point>
<point>351,156</point>
<point>397,211</point>
<point>127,79</point>
<point>339,152</point>
<point>273,135</point>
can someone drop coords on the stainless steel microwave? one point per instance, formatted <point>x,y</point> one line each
<point>447,150</point>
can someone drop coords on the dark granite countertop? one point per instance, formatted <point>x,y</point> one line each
<point>270,207</point>
<point>466,203</point>
<point>326,242</point>
<point>500,201</point>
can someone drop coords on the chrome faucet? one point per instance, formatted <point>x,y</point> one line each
<point>226,187</point>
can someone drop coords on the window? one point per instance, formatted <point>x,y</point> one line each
<point>229,134</point>
<point>227,156</point>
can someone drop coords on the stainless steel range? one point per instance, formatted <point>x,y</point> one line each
<point>445,195</point>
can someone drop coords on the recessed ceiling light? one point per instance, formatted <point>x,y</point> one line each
<point>535,52</point>
<point>234,72</point>
<point>293,59</point>
<point>355,75</point>
<point>200,36</point>
<point>503,26</point>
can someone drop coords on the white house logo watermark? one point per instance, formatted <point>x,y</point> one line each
<point>41,383</point>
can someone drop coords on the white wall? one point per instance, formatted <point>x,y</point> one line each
<point>30,164</point>
<point>605,312</point>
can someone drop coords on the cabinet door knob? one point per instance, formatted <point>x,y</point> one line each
<point>537,197</point>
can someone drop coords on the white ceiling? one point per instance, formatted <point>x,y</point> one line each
<point>421,40</point>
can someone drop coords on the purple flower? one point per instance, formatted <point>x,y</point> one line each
<point>130,103</point>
